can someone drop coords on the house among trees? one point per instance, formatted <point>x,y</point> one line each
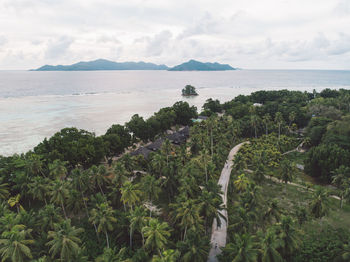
<point>156,145</point>
<point>179,137</point>
<point>176,138</point>
<point>141,151</point>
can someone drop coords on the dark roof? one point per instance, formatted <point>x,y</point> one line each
<point>156,145</point>
<point>177,138</point>
<point>202,117</point>
<point>185,131</point>
<point>141,151</point>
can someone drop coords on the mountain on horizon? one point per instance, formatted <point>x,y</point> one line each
<point>193,65</point>
<point>103,64</point>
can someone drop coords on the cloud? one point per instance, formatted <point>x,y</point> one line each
<point>209,24</point>
<point>342,8</point>
<point>244,33</point>
<point>3,40</point>
<point>58,47</point>
<point>155,45</point>
<point>106,38</point>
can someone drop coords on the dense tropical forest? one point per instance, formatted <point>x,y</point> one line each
<point>81,197</point>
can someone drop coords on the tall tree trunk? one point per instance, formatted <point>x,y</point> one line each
<point>130,238</point>
<point>279,131</point>
<point>143,239</point>
<point>107,239</point>
<point>255,132</point>
<point>100,189</point>
<point>185,233</point>
<point>341,201</point>
<point>64,210</point>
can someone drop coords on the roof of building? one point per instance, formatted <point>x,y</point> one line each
<point>141,151</point>
<point>156,145</point>
<point>202,117</point>
<point>185,131</point>
<point>177,138</point>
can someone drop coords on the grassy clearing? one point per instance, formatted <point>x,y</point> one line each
<point>296,197</point>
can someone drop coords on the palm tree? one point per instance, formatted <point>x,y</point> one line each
<point>251,198</point>
<point>108,255</point>
<point>288,235</point>
<point>38,188</point>
<point>137,220</point>
<point>49,215</point>
<point>242,221</point>
<point>130,194</point>
<point>166,150</point>
<point>195,248</point>
<point>269,247</point>
<point>34,165</point>
<point>258,174</point>
<point>15,201</point>
<point>279,121</point>
<point>205,159</point>
<point>273,212</point>
<point>301,215</point>
<point>241,183</point>
<point>188,213</point>
<point>239,162</point>
<point>320,202</point>
<point>103,217</point>
<point>156,234</point>
<point>266,120</point>
<point>292,116</point>
<point>59,193</point>
<point>211,207</point>
<point>150,186</point>
<point>57,169</point>
<point>120,174</point>
<point>254,121</point>
<point>242,249</point>
<point>99,176</point>
<point>346,252</point>
<point>287,172</point>
<point>75,202</point>
<point>14,244</point>
<point>64,241</point>
<point>4,191</point>
<point>168,255</point>
<point>158,163</point>
<point>341,179</point>
<point>80,182</point>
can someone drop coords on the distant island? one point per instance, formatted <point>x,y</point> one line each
<point>189,91</point>
<point>194,65</point>
<point>103,64</point>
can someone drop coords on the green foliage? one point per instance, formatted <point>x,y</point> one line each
<point>77,147</point>
<point>189,91</point>
<point>322,245</point>
<point>212,106</point>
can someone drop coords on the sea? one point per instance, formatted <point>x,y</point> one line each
<point>35,105</point>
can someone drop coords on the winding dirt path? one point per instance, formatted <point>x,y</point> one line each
<point>218,234</point>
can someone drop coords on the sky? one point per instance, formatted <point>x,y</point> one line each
<point>251,34</point>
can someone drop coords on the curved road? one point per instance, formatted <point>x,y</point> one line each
<point>218,234</point>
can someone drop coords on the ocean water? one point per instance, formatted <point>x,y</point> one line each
<point>35,105</point>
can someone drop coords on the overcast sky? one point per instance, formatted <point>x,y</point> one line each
<point>297,34</point>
